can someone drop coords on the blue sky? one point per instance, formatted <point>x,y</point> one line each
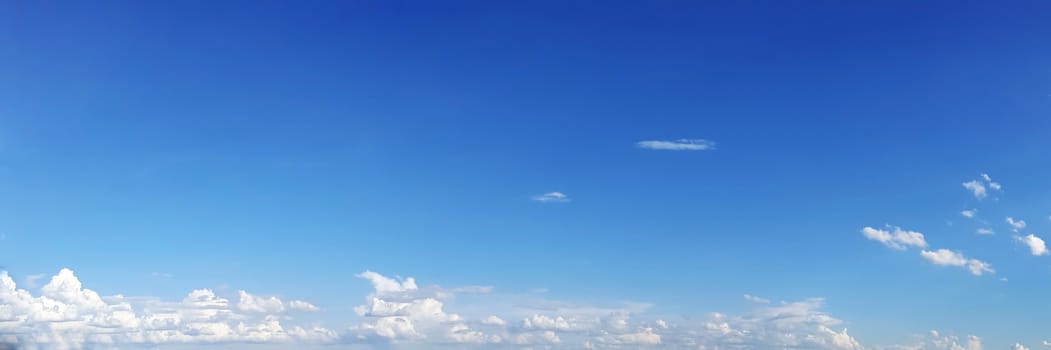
<point>284,149</point>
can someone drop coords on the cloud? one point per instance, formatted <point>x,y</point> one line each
<point>493,320</point>
<point>969,213</point>
<point>993,185</point>
<point>1018,346</point>
<point>1036,245</point>
<point>254,303</point>
<point>31,280</point>
<point>1015,225</point>
<point>1046,343</point>
<point>935,340</point>
<point>976,188</point>
<point>551,197</point>
<point>678,145</point>
<point>397,313</point>
<point>984,231</point>
<point>68,316</point>
<point>299,305</point>
<point>898,239</point>
<point>756,299</point>
<point>945,257</point>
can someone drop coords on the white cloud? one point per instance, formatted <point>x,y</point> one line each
<point>254,303</point>
<point>948,342</point>
<point>1015,225</point>
<point>976,188</point>
<point>31,280</point>
<point>984,231</point>
<point>493,320</point>
<point>552,197</point>
<point>68,316</point>
<point>756,299</point>
<point>1036,245</point>
<point>299,305</point>
<point>992,185</point>
<point>1046,343</point>
<point>1018,346</point>
<point>969,213</point>
<point>384,284</point>
<point>678,145</point>
<point>897,239</point>
<point>945,257</point>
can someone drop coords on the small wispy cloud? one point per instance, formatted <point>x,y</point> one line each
<point>984,231</point>
<point>678,145</point>
<point>31,280</point>
<point>756,299</point>
<point>969,213</point>
<point>1015,224</point>
<point>552,197</point>
<point>980,188</point>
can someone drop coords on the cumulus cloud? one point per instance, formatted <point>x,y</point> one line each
<point>976,188</point>
<point>551,197</point>
<point>1035,244</point>
<point>1046,343</point>
<point>970,213</point>
<point>945,257</point>
<point>984,231</point>
<point>1018,346</point>
<point>1015,224</point>
<point>68,316</point>
<point>897,239</point>
<point>678,145</point>
<point>979,187</point>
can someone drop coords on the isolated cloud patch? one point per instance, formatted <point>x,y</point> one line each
<point>980,188</point>
<point>945,257</point>
<point>551,197</point>
<point>678,145</point>
<point>897,239</point>
<point>1015,224</point>
<point>1035,244</point>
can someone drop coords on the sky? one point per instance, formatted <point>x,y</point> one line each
<point>525,175</point>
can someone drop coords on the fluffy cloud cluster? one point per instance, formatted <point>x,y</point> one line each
<point>979,188</point>
<point>398,312</point>
<point>68,316</point>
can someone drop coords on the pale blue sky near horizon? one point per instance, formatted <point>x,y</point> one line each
<point>156,148</point>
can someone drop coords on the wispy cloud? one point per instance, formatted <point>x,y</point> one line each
<point>1015,224</point>
<point>678,145</point>
<point>551,197</point>
<point>756,299</point>
<point>969,213</point>
<point>984,231</point>
<point>979,188</point>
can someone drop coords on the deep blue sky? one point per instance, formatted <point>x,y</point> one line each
<point>285,147</point>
